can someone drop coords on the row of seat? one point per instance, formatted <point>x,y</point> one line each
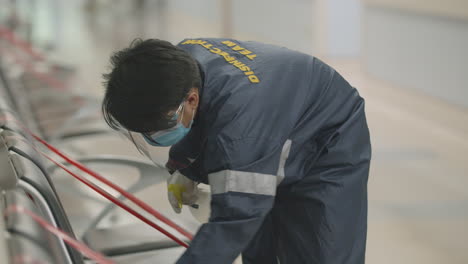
<point>26,181</point>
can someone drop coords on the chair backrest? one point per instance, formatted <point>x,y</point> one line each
<point>4,235</point>
<point>8,179</point>
<point>22,170</point>
<point>7,123</point>
<point>28,238</point>
<point>15,98</point>
<point>24,147</point>
<point>5,89</point>
<point>32,175</point>
<point>16,151</point>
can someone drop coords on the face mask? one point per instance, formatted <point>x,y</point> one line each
<point>170,136</point>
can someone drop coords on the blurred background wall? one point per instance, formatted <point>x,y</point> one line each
<point>419,44</point>
<point>403,42</point>
<point>343,27</point>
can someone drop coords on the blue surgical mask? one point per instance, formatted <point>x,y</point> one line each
<point>169,136</point>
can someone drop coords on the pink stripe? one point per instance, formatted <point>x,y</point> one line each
<point>60,234</point>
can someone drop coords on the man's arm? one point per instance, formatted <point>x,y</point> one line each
<point>239,203</point>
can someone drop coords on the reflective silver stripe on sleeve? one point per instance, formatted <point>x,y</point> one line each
<point>283,158</point>
<point>240,181</point>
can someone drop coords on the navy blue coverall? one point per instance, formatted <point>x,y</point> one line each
<point>282,140</point>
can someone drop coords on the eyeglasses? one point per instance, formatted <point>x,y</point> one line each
<point>150,136</point>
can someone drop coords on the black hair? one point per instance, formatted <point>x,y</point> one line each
<point>147,80</point>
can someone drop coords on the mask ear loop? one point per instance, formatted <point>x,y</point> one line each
<point>193,117</point>
<point>191,162</point>
<point>182,108</point>
<point>182,116</point>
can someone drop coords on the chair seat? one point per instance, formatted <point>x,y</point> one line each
<point>169,255</point>
<point>128,239</point>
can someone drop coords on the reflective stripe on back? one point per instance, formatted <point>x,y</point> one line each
<point>245,182</point>
<point>283,158</point>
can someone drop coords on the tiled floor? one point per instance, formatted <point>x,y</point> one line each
<point>419,176</point>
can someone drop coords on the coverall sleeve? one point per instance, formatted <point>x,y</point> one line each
<point>242,193</point>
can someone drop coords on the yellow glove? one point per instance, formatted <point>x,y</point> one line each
<point>181,190</point>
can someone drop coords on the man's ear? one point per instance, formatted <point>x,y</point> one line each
<point>193,98</point>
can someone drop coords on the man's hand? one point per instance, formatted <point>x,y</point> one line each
<point>181,190</point>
